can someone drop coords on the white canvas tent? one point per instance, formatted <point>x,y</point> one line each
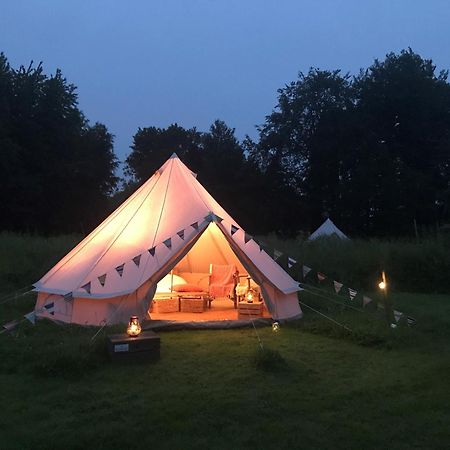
<point>328,228</point>
<point>171,220</point>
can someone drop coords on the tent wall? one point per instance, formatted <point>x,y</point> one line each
<point>86,311</point>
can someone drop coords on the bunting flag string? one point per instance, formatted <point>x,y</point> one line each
<point>102,279</point>
<point>119,269</point>
<point>321,276</point>
<point>266,248</point>
<point>247,237</point>
<point>50,307</point>
<point>31,317</point>
<point>277,254</point>
<point>68,297</point>
<point>291,262</point>
<point>352,293</point>
<point>306,270</point>
<point>211,217</point>
<point>366,300</point>
<point>137,259</point>
<point>337,286</point>
<point>233,229</point>
<point>87,287</point>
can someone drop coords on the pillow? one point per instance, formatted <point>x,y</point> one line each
<point>186,288</point>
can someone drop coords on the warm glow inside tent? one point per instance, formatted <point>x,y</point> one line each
<point>169,234</point>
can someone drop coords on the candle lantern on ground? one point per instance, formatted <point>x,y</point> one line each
<point>134,327</point>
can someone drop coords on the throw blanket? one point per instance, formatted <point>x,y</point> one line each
<point>221,281</point>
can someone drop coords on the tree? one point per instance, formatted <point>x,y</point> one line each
<point>372,152</point>
<point>152,146</point>
<point>404,109</point>
<point>301,163</point>
<point>57,170</point>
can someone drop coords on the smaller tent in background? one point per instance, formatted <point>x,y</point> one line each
<point>327,229</point>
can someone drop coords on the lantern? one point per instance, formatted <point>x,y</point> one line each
<point>382,284</point>
<point>134,327</point>
<point>275,327</point>
<point>250,295</point>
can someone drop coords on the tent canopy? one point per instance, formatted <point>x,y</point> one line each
<point>328,228</point>
<point>171,220</point>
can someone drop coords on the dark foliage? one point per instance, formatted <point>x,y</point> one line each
<point>57,170</point>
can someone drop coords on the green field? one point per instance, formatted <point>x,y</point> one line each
<point>315,385</point>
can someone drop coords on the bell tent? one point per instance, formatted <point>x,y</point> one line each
<point>170,232</point>
<point>327,229</point>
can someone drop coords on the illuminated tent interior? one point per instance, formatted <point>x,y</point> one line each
<point>169,252</point>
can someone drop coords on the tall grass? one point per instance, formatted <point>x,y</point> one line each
<point>412,266</point>
<point>26,258</point>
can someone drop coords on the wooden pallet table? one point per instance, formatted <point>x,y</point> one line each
<point>145,347</point>
<point>249,311</point>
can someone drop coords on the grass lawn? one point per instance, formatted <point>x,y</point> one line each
<point>315,386</point>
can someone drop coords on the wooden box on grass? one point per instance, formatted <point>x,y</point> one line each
<point>250,310</point>
<point>145,347</point>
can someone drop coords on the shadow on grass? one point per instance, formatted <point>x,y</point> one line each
<point>269,360</point>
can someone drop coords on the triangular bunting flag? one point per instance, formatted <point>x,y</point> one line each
<point>366,300</point>
<point>49,306</point>
<point>152,251</point>
<point>211,217</point>
<point>306,270</point>
<point>68,297</point>
<point>233,229</point>
<point>194,225</point>
<point>137,260</point>
<point>277,254</point>
<point>247,237</point>
<point>102,279</point>
<point>10,326</point>
<point>291,262</point>
<point>87,287</point>
<point>181,234</point>
<point>119,269</point>
<point>397,315</point>
<point>168,243</point>
<point>337,286</point>
<point>31,316</point>
<point>266,248</point>
<point>352,293</point>
<point>320,276</point>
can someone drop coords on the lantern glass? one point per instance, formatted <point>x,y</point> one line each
<point>249,296</point>
<point>134,327</point>
<point>382,285</point>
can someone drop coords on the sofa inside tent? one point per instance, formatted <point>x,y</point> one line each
<point>169,252</point>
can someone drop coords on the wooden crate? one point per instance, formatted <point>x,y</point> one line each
<point>123,348</point>
<point>248,311</point>
<point>192,304</point>
<point>165,305</point>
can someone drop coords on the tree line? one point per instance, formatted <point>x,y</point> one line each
<point>371,151</point>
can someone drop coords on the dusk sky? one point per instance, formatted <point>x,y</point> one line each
<point>153,63</point>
